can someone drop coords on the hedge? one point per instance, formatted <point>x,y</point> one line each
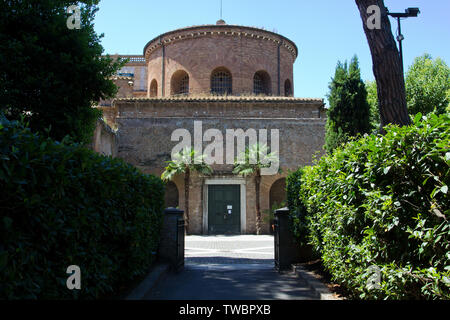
<point>381,203</point>
<point>62,204</point>
<point>298,211</point>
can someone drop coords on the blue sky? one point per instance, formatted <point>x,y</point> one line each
<point>325,31</point>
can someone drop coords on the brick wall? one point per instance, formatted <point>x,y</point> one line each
<point>145,127</point>
<point>199,50</point>
<point>125,89</point>
<point>104,140</point>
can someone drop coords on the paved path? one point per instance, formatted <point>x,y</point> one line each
<point>245,249</point>
<point>230,268</point>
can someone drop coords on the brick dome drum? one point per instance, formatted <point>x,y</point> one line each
<point>220,59</point>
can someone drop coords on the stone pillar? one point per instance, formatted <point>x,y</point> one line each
<point>287,250</point>
<point>171,246</point>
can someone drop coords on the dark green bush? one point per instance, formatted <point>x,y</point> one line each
<point>64,205</point>
<point>297,209</point>
<point>382,202</point>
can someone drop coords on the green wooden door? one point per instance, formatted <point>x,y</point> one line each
<point>224,209</point>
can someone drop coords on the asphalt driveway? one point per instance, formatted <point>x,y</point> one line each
<point>230,268</point>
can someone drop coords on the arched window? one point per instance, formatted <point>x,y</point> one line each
<point>179,83</point>
<point>262,83</point>
<point>221,81</point>
<point>287,88</point>
<point>154,88</point>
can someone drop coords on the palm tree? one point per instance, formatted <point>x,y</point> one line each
<point>185,162</point>
<point>250,162</point>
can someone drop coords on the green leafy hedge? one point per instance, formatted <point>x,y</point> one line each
<point>381,203</point>
<point>298,210</point>
<point>64,205</point>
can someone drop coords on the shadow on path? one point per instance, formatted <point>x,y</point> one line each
<point>242,279</point>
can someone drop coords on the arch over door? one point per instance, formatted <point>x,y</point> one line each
<point>171,196</point>
<point>277,193</point>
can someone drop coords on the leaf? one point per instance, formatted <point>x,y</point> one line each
<point>437,239</point>
<point>434,192</point>
<point>417,118</point>
<point>386,170</point>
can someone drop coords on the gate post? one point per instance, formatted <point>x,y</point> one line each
<point>171,246</point>
<point>287,250</point>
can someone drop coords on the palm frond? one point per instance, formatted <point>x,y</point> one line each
<point>183,160</point>
<point>255,157</point>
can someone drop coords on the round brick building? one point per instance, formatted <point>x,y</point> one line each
<point>220,59</point>
<point>225,87</point>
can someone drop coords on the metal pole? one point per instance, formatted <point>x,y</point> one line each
<point>163,71</point>
<point>279,68</point>
<point>400,39</point>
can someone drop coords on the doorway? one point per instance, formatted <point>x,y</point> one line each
<point>224,209</point>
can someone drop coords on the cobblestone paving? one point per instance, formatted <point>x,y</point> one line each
<point>243,249</point>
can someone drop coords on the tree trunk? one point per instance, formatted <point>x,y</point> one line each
<point>186,198</point>
<point>387,67</point>
<point>258,207</point>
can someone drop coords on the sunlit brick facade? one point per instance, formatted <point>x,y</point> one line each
<point>226,77</point>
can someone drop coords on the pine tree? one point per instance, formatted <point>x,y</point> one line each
<point>349,112</point>
<point>387,66</point>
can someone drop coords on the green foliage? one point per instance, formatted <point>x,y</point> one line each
<point>427,85</point>
<point>50,73</point>
<point>427,89</point>
<point>297,209</point>
<point>383,201</point>
<point>349,112</point>
<point>372,99</point>
<point>251,162</point>
<point>186,160</point>
<point>447,109</point>
<point>293,185</point>
<point>64,205</point>
<point>253,159</point>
